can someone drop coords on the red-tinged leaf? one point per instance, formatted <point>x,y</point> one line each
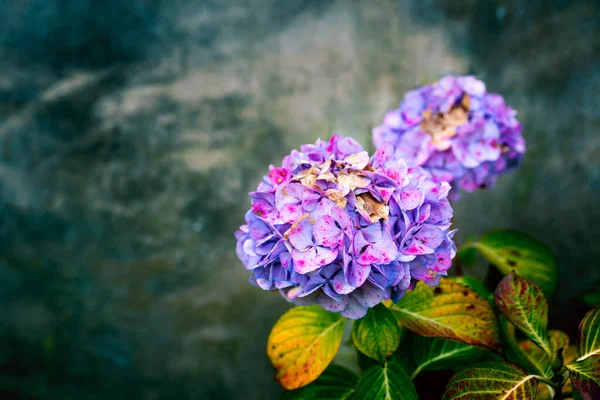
<point>523,303</point>
<point>589,334</point>
<point>302,344</point>
<point>495,380</point>
<point>449,311</point>
<point>585,376</point>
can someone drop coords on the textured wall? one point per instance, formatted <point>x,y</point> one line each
<point>130,133</point>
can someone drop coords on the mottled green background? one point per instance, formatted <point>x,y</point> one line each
<point>131,131</point>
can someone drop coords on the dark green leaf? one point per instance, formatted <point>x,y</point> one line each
<point>523,303</point>
<point>389,382</point>
<point>592,299</point>
<point>335,383</point>
<point>516,251</point>
<point>585,375</point>
<point>589,334</point>
<point>492,381</point>
<point>431,354</point>
<point>377,334</point>
<point>449,311</point>
<point>467,254</point>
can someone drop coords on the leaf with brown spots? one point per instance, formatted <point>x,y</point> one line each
<point>516,251</point>
<point>495,380</point>
<point>589,334</point>
<point>449,311</point>
<point>302,344</point>
<point>523,303</point>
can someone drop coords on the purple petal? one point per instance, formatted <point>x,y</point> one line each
<point>354,310</point>
<point>369,295</point>
<point>430,236</point>
<point>304,261</point>
<point>341,285</point>
<point>324,207</point>
<point>326,232</point>
<point>357,273</point>
<point>325,255</point>
<point>386,248</point>
<point>301,236</point>
<point>328,290</point>
<point>370,255</point>
<point>330,304</point>
<point>411,199</point>
<point>290,213</point>
<point>314,283</point>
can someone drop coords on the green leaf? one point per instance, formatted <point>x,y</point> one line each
<point>474,283</point>
<point>491,381</point>
<point>449,311</point>
<point>589,334</point>
<point>523,303</point>
<point>585,375</point>
<point>536,360</point>
<point>377,334</point>
<point>592,299</point>
<point>302,344</point>
<point>431,354</point>
<point>516,251</point>
<point>335,383</point>
<point>389,382</point>
<point>467,255</point>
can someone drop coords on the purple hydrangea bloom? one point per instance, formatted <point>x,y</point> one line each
<point>457,131</point>
<point>335,227</point>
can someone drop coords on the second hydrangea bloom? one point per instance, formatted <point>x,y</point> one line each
<point>335,227</point>
<point>457,131</point>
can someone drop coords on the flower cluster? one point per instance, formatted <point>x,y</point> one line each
<point>455,130</point>
<point>335,227</point>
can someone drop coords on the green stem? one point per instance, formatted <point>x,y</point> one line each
<point>415,373</point>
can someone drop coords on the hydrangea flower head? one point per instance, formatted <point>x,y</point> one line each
<point>335,227</point>
<point>457,131</point>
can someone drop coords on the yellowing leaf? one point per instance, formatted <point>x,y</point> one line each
<point>449,311</point>
<point>516,251</point>
<point>495,380</point>
<point>523,303</point>
<point>589,334</point>
<point>302,344</point>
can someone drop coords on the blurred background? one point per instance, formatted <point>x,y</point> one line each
<point>131,131</point>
